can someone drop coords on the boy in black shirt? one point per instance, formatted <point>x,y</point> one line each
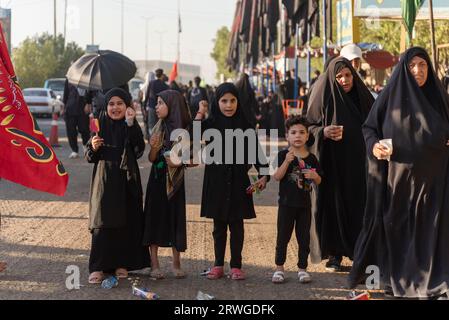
<point>298,169</point>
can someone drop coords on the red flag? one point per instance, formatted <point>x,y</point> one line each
<point>26,157</point>
<point>174,72</point>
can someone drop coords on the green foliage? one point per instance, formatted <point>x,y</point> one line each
<point>42,57</point>
<point>220,53</point>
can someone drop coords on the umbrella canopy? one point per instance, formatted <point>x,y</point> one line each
<point>101,70</point>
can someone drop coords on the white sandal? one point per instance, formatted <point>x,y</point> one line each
<point>278,277</point>
<point>304,277</point>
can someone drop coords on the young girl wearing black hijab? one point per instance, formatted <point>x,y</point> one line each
<point>338,107</point>
<point>115,206</point>
<point>225,198</point>
<point>406,224</point>
<point>165,204</point>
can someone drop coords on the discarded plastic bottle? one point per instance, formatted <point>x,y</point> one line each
<point>109,283</point>
<point>145,294</point>
<point>363,296</point>
<point>204,296</point>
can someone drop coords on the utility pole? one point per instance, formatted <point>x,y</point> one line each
<point>123,27</point>
<point>160,43</point>
<point>54,11</point>
<point>178,49</point>
<point>432,32</point>
<point>65,21</point>
<point>92,23</point>
<point>147,19</point>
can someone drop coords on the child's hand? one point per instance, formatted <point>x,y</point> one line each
<point>310,174</point>
<point>176,163</point>
<point>154,140</point>
<point>261,183</point>
<point>130,116</point>
<point>290,157</point>
<point>97,142</point>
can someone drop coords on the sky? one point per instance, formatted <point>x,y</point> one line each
<point>200,21</point>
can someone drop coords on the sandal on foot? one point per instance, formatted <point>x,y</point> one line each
<point>96,277</point>
<point>157,274</point>
<point>278,277</point>
<point>304,277</point>
<point>215,273</point>
<point>121,273</point>
<point>179,273</point>
<point>237,274</point>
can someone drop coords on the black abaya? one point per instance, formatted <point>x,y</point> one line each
<point>406,224</point>
<point>342,193</point>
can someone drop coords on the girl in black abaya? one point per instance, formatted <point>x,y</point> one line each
<point>406,224</point>
<point>165,205</point>
<point>225,198</point>
<point>338,107</point>
<point>115,206</point>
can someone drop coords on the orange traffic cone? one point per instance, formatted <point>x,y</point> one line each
<point>54,131</point>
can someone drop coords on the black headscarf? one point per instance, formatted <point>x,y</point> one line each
<point>247,99</point>
<point>118,92</point>
<point>219,120</point>
<point>178,114</point>
<point>113,131</point>
<point>327,89</point>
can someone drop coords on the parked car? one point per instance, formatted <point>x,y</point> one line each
<point>42,101</point>
<point>134,87</point>
<point>56,85</point>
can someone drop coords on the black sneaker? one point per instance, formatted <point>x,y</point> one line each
<point>333,265</point>
<point>388,292</point>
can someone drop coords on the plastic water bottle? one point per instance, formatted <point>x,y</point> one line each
<point>145,294</point>
<point>109,283</point>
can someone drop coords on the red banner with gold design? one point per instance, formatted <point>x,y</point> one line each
<point>26,157</point>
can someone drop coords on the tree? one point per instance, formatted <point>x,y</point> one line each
<point>42,57</point>
<point>388,35</point>
<point>220,53</point>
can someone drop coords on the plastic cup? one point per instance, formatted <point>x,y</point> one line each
<point>388,143</point>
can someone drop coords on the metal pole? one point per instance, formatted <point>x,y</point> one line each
<point>324,32</point>
<point>309,61</point>
<point>274,69</point>
<point>295,92</point>
<point>92,23</point>
<point>54,11</point>
<point>146,45</point>
<point>65,21</point>
<point>123,27</point>
<point>432,32</point>
<point>285,63</point>
<point>178,53</point>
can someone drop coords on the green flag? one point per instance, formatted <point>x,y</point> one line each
<point>410,10</point>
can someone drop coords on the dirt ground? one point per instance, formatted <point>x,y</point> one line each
<point>41,235</point>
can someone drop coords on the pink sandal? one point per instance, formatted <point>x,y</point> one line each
<point>237,274</point>
<point>215,273</point>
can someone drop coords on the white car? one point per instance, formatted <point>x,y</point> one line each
<point>42,101</point>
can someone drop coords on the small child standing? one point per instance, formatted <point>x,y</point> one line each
<point>297,171</point>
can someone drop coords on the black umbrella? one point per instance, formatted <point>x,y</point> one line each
<point>101,70</point>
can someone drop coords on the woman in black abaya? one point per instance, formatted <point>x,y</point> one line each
<point>338,106</point>
<point>406,224</point>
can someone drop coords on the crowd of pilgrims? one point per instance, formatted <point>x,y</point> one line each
<point>344,192</point>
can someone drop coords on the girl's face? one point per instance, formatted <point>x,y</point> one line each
<point>228,105</point>
<point>345,79</point>
<point>297,136</point>
<point>116,108</point>
<point>419,69</point>
<point>161,109</point>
